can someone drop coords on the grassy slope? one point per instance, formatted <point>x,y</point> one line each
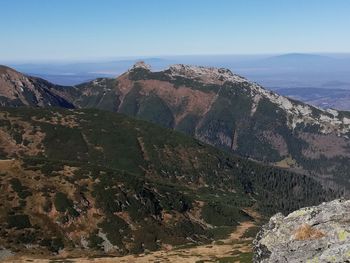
<point>103,176</point>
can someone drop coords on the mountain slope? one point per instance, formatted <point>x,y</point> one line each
<point>229,112</point>
<point>214,106</point>
<point>92,182</point>
<point>17,89</point>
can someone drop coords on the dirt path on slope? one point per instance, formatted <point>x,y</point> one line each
<point>6,164</point>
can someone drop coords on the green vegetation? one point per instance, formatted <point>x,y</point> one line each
<point>153,109</point>
<point>116,230</point>
<point>21,190</point>
<point>103,96</point>
<point>221,232</point>
<point>219,214</point>
<point>242,257</point>
<point>251,232</point>
<point>135,183</point>
<point>231,123</point>
<point>54,244</point>
<point>95,241</point>
<point>61,137</point>
<point>18,221</point>
<point>63,204</point>
<point>130,105</point>
<point>188,124</point>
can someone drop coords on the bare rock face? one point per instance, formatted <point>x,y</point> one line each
<point>205,74</point>
<point>141,64</point>
<point>5,253</point>
<point>312,234</point>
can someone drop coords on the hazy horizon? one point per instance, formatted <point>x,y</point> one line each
<point>64,30</point>
<point>340,55</point>
<point>70,42</point>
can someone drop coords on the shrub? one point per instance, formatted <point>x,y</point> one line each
<point>94,241</point>
<point>18,221</point>
<point>63,204</point>
<point>19,188</point>
<point>116,229</point>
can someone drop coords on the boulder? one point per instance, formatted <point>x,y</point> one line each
<point>311,234</point>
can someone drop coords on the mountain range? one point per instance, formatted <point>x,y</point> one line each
<point>166,157</point>
<point>213,105</point>
<point>292,70</point>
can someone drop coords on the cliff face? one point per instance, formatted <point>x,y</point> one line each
<point>312,234</point>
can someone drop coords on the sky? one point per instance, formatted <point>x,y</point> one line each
<point>71,30</point>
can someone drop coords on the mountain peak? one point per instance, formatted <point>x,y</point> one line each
<point>204,74</point>
<point>142,65</point>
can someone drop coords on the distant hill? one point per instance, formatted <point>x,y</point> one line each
<point>17,89</point>
<point>306,64</point>
<point>79,72</point>
<point>299,57</point>
<point>283,71</point>
<point>326,98</point>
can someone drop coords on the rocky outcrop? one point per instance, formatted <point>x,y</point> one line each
<point>5,253</point>
<point>208,75</point>
<point>312,234</point>
<point>141,64</point>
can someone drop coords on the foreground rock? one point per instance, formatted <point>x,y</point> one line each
<point>312,234</point>
<point>5,253</point>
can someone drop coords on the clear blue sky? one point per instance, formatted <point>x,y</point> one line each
<point>86,29</point>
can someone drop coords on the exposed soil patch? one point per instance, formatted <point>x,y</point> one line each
<point>184,99</point>
<point>143,148</point>
<point>329,145</point>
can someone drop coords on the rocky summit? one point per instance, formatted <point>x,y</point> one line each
<point>312,234</point>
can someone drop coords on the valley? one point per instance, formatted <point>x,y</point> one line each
<point>97,182</point>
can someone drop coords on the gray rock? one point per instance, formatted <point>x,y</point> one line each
<point>5,253</point>
<point>141,64</point>
<point>313,234</point>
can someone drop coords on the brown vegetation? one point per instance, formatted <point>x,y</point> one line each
<point>307,232</point>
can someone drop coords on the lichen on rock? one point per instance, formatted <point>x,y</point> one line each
<point>312,234</point>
